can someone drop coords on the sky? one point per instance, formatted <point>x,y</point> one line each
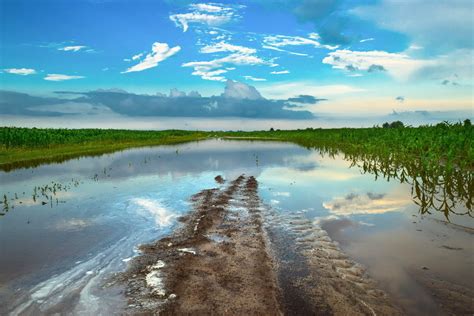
<point>235,64</point>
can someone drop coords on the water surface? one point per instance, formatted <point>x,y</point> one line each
<point>68,227</point>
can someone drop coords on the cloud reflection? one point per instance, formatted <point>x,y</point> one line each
<point>163,217</point>
<point>368,203</point>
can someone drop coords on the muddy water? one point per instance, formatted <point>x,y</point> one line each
<point>69,227</point>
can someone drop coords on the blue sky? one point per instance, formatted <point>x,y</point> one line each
<point>364,58</point>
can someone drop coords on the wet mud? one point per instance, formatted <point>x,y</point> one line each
<point>315,276</point>
<point>216,263</point>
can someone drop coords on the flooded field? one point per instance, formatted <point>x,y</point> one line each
<point>336,227</point>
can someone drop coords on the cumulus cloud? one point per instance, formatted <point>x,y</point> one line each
<point>20,71</point>
<point>175,93</point>
<point>60,77</point>
<point>159,52</point>
<point>238,100</point>
<point>240,90</point>
<point>207,14</point>
<point>399,65</point>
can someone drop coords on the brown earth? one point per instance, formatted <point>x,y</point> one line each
<point>221,261</point>
<point>217,263</point>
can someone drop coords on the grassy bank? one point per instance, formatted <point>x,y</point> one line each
<point>29,147</point>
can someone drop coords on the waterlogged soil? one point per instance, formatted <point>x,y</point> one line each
<point>222,261</point>
<point>217,263</point>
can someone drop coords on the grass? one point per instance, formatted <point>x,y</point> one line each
<point>24,147</point>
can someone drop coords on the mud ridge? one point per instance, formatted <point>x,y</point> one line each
<point>216,263</point>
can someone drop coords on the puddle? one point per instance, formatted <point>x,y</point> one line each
<point>70,226</point>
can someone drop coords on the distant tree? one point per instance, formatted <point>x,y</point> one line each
<point>271,129</point>
<point>467,122</point>
<point>395,124</point>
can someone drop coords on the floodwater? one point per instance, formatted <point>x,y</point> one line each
<point>68,227</point>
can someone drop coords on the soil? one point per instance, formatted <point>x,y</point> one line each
<point>217,263</point>
<point>223,260</point>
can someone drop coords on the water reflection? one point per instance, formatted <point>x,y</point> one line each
<point>439,188</point>
<point>117,201</point>
<point>433,188</point>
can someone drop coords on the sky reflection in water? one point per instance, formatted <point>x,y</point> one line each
<point>138,194</point>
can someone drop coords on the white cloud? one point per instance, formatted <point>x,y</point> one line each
<point>399,65</point>
<point>240,90</point>
<point>254,78</point>
<point>283,50</point>
<point>208,14</point>
<point>210,70</point>
<point>284,40</point>
<point>213,69</point>
<point>207,7</point>
<point>281,72</point>
<point>159,52</point>
<point>366,40</point>
<point>20,71</point>
<point>75,48</point>
<point>59,77</point>
<point>137,56</point>
<point>225,47</point>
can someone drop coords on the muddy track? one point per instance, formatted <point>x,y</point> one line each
<point>226,260</point>
<point>217,263</point>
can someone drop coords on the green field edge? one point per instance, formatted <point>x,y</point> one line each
<point>11,159</point>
